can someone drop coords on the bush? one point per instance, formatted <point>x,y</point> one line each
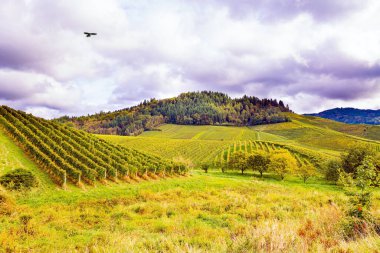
<point>332,170</point>
<point>205,167</point>
<point>18,179</point>
<point>355,157</point>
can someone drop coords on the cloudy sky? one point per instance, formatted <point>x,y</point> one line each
<point>314,55</point>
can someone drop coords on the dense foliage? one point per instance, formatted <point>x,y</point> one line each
<point>351,115</point>
<point>69,154</point>
<point>18,179</point>
<point>353,163</point>
<point>192,108</point>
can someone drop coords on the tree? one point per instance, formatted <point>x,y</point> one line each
<point>360,220</point>
<point>205,167</point>
<point>239,161</point>
<point>332,170</point>
<point>354,158</point>
<point>259,161</point>
<point>281,163</point>
<point>306,171</point>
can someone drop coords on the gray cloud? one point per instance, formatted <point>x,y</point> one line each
<point>297,50</point>
<point>279,10</point>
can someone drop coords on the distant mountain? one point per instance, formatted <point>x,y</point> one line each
<point>191,108</point>
<point>351,115</point>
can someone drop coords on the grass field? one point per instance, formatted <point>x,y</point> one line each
<point>199,213</point>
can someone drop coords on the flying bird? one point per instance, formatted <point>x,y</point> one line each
<point>89,34</point>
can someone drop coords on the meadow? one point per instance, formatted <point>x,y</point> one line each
<point>211,212</point>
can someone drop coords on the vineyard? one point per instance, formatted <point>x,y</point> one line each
<point>302,155</point>
<point>71,155</point>
<point>198,151</point>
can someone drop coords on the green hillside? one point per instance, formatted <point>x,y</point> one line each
<point>70,155</point>
<point>191,108</point>
<point>220,133</point>
<point>314,133</point>
<point>310,135</point>
<point>361,130</point>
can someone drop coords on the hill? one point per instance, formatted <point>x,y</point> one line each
<point>71,155</point>
<point>309,138</point>
<point>351,115</point>
<point>192,108</point>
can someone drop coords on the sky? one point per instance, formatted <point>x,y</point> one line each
<point>313,55</point>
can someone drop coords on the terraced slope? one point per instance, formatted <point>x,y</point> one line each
<point>72,155</point>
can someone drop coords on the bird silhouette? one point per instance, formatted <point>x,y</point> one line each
<point>89,34</point>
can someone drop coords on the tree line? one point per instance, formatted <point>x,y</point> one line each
<point>191,108</point>
<point>280,162</point>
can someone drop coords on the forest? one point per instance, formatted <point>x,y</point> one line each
<point>191,108</point>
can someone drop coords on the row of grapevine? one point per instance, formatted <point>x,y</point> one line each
<point>73,155</point>
<point>302,156</point>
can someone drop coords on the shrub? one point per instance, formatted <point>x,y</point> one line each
<point>332,170</point>
<point>18,179</point>
<point>355,157</point>
<point>359,221</point>
<point>205,167</point>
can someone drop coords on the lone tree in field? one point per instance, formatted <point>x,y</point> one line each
<point>259,161</point>
<point>282,163</point>
<point>239,161</point>
<point>306,171</point>
<point>205,167</point>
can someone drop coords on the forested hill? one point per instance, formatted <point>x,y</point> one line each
<point>351,115</point>
<point>192,108</point>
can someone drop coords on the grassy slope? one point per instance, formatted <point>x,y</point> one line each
<point>11,157</point>
<point>365,131</point>
<point>200,213</point>
<point>203,143</point>
<point>210,133</point>
<point>310,132</point>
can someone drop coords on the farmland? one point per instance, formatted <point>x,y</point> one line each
<point>192,212</point>
<point>204,143</point>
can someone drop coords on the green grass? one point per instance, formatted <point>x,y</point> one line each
<point>220,133</point>
<point>12,157</point>
<point>211,212</point>
<point>311,133</point>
